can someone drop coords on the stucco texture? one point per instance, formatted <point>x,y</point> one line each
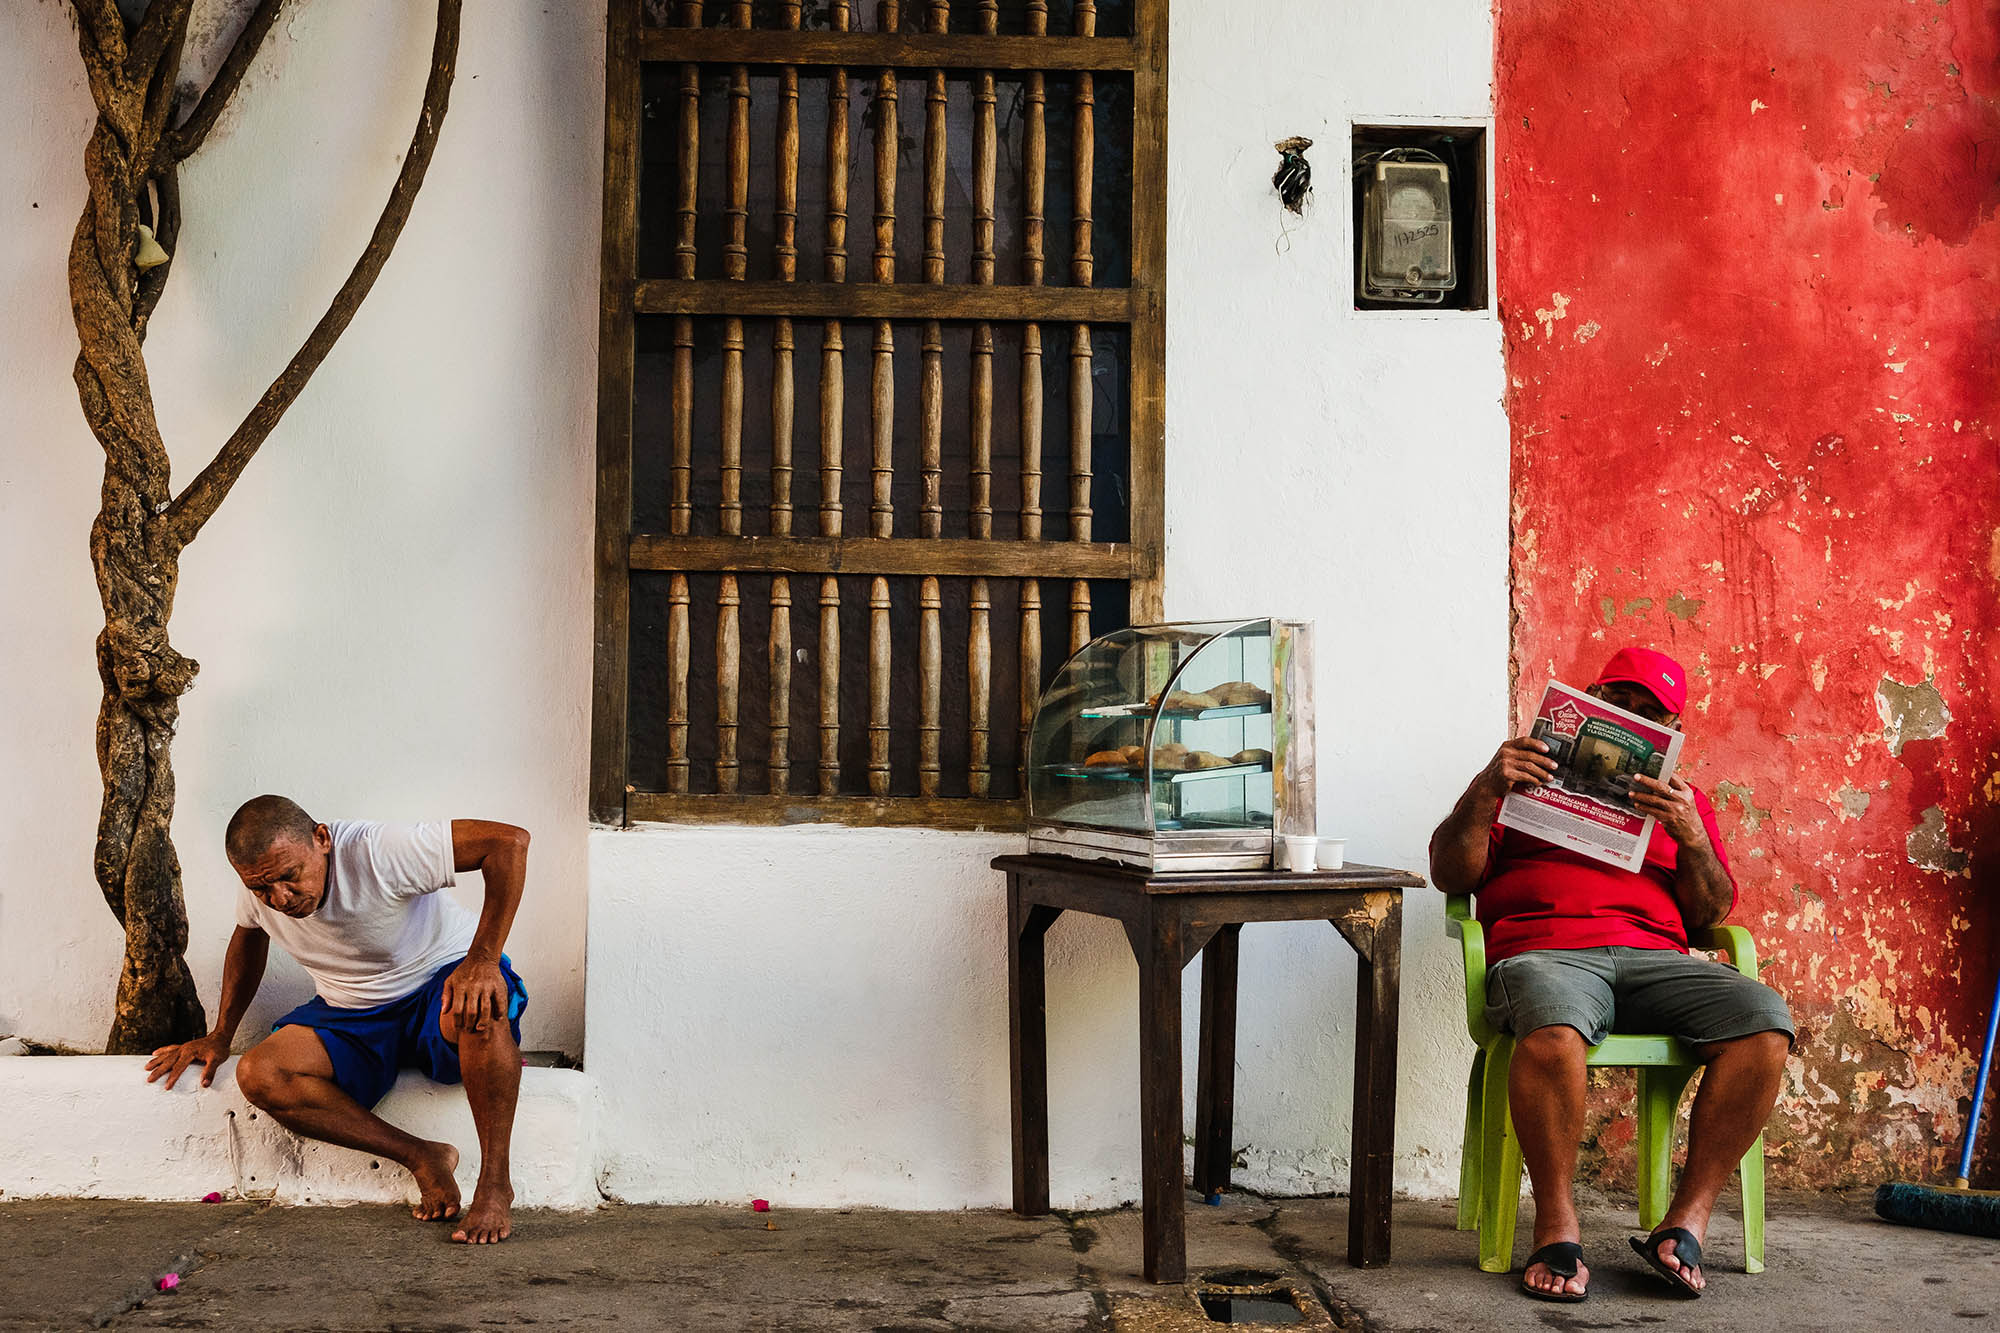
<point>1748,270</point>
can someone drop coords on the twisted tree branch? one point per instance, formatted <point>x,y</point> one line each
<point>198,503</point>
<point>190,133</point>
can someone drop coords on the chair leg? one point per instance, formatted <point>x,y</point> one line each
<point>1753,1207</point>
<point>1500,1164</point>
<point>1469,1174</point>
<point>1660,1088</point>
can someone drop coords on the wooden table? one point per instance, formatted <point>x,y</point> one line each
<point>1168,919</point>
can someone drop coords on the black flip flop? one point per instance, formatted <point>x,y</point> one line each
<point>1561,1258</point>
<point>1687,1250</point>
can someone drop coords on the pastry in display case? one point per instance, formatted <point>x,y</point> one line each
<point>1176,747</point>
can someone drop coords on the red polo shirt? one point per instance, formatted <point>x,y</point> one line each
<point>1535,895</point>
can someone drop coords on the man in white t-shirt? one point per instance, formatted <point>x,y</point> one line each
<point>405,978</point>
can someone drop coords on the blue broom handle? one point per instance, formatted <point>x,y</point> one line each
<point>1979,1087</point>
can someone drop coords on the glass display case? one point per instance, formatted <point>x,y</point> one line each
<point>1176,747</point>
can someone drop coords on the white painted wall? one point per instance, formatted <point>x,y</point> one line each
<point>392,611</point>
<point>394,608</point>
<point>818,1015</point>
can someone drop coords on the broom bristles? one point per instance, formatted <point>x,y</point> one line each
<point>1971,1212</point>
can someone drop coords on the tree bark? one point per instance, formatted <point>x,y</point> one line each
<point>130,161</point>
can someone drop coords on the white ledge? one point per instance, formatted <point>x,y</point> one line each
<point>90,1127</point>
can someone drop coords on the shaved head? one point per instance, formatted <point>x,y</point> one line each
<point>260,823</point>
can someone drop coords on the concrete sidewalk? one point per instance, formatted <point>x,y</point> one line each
<point>253,1266</point>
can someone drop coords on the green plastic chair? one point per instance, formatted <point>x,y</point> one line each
<point>1489,1176</point>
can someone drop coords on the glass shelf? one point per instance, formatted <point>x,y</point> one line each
<point>1105,772</point>
<point>1176,715</point>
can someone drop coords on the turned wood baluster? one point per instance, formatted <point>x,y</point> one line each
<point>728,674</point>
<point>680,513</point>
<point>780,752</point>
<point>677,684</point>
<point>984,171</point>
<point>1031,665</point>
<point>1079,615</point>
<point>1080,394</point>
<point>934,141</point>
<point>782,412</point>
<point>829,687</point>
<point>787,251</point>
<point>1031,432</point>
<point>878,687</point>
<point>931,459</point>
<point>979,690</point>
<point>832,395</point>
<point>930,681</point>
<point>832,410</point>
<point>882,509</point>
<point>732,427</point>
<point>1083,162</point>
<point>1034,172</point>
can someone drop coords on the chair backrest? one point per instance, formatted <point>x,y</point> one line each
<point>1460,921</point>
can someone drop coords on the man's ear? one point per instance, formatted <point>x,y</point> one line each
<point>322,838</point>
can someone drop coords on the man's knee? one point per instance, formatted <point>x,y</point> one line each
<point>259,1075</point>
<point>1763,1050</point>
<point>1556,1043</point>
<point>488,1036</point>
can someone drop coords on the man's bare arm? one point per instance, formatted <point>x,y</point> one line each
<point>1459,846</point>
<point>242,973</point>
<point>1701,884</point>
<point>477,991</point>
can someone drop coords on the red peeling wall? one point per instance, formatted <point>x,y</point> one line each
<point>1749,270</point>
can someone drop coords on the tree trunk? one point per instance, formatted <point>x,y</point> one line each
<point>131,163</point>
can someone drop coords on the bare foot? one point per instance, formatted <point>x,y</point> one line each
<point>488,1221</point>
<point>439,1191</point>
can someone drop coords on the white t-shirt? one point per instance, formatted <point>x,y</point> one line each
<point>383,927</point>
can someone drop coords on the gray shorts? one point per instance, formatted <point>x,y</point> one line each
<point>1631,990</point>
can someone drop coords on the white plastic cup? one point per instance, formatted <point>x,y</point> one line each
<point>1332,853</point>
<point>1296,851</point>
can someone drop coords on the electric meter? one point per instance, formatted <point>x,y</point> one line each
<point>1406,253</point>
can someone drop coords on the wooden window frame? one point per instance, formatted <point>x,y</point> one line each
<point>1139,308</point>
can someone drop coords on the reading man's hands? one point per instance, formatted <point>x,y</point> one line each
<point>1672,804</point>
<point>171,1062</point>
<point>1518,765</point>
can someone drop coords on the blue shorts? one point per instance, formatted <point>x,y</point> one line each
<point>369,1047</point>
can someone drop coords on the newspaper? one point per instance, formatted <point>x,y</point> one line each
<point>1599,750</point>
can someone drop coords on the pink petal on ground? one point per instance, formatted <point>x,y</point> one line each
<point>169,1281</point>
<point>760,1205</point>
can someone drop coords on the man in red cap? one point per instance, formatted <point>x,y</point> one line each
<point>1576,947</point>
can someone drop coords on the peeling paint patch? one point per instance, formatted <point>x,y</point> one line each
<point>1929,846</point>
<point>1853,802</point>
<point>1753,814</point>
<point>1910,712</point>
<point>1589,331</point>
<point>1684,608</point>
<point>1550,314</point>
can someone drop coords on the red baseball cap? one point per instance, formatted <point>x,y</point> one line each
<point>1654,670</point>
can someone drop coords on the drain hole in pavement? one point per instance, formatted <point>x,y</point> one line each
<point>1223,1308</point>
<point>1239,1277</point>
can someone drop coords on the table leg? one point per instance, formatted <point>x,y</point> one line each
<point>1028,1049</point>
<point>1163,1187</point>
<point>1215,1082</point>
<point>1374,1146</point>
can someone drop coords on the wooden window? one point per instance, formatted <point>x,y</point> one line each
<point>879,415</point>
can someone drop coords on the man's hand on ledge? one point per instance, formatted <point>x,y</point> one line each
<point>172,1061</point>
<point>1672,803</point>
<point>1518,765</point>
